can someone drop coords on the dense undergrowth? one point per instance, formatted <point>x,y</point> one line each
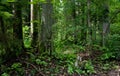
<point>62,64</point>
<point>82,35</point>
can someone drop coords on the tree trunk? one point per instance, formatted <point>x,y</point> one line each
<point>4,41</point>
<point>106,24</point>
<point>46,27</point>
<point>17,28</point>
<point>74,21</point>
<point>31,18</point>
<point>35,25</point>
<point>83,37</point>
<point>89,23</point>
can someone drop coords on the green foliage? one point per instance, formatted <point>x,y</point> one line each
<point>89,67</point>
<point>15,68</point>
<point>107,55</point>
<point>71,68</point>
<point>67,57</point>
<point>40,62</point>
<point>70,35</point>
<point>32,57</point>
<point>112,48</point>
<point>5,74</point>
<point>16,65</point>
<point>37,1</point>
<point>18,68</point>
<point>26,36</point>
<point>106,66</point>
<point>113,45</point>
<point>11,0</point>
<point>115,28</point>
<point>85,68</point>
<point>6,15</point>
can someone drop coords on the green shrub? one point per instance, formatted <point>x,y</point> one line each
<point>112,49</point>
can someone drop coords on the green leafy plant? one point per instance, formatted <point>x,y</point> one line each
<point>107,55</point>
<point>70,69</point>
<point>5,74</point>
<point>32,56</point>
<point>112,47</point>
<point>106,66</point>
<point>27,38</point>
<point>16,65</point>
<point>89,67</point>
<point>18,68</point>
<point>40,62</point>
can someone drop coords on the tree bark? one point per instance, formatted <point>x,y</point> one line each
<point>106,24</point>
<point>17,28</point>
<point>35,25</point>
<point>4,41</point>
<point>89,23</point>
<point>83,37</point>
<point>46,27</point>
<point>31,18</point>
<point>74,21</point>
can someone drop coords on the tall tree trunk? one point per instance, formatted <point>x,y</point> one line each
<point>17,28</point>
<point>74,21</point>
<point>46,27</point>
<point>4,41</point>
<point>28,11</point>
<point>94,29</point>
<point>35,25</point>
<point>31,18</point>
<point>89,23</point>
<point>83,37</point>
<point>106,24</point>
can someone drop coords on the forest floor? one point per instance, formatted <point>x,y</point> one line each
<point>32,65</point>
<point>56,69</point>
<point>59,67</point>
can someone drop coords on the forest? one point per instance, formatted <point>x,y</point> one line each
<point>59,37</point>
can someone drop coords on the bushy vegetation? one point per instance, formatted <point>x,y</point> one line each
<point>59,37</point>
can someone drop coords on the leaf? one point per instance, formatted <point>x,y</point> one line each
<point>5,74</point>
<point>16,65</point>
<point>11,0</point>
<point>38,61</point>
<point>70,69</point>
<point>6,15</point>
<point>42,1</point>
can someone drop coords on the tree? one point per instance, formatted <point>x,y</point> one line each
<point>35,23</point>
<point>4,39</point>
<point>46,43</point>
<point>89,23</point>
<point>5,43</point>
<point>106,24</point>
<point>83,37</point>
<point>17,28</point>
<point>31,18</point>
